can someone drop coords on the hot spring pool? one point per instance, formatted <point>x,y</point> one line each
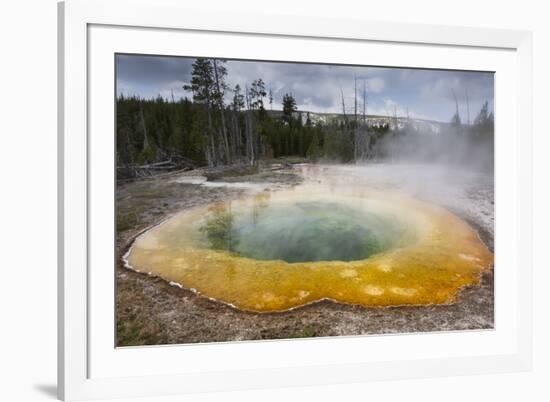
<point>303,231</point>
<point>276,251</point>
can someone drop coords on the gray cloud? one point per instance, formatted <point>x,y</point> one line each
<point>316,87</point>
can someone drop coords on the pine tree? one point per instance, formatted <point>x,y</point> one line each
<point>257,94</point>
<point>289,107</point>
<point>483,116</point>
<point>202,87</point>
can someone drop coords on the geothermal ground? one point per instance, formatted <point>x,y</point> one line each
<point>151,311</point>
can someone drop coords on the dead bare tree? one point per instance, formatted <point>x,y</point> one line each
<point>343,105</point>
<point>249,129</point>
<point>355,122</point>
<point>355,98</point>
<point>456,118</point>
<point>364,102</point>
<point>467,105</point>
<point>364,133</point>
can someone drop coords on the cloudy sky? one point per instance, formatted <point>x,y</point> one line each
<point>316,87</point>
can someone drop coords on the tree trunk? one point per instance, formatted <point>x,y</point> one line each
<point>222,114</point>
<point>145,139</point>
<point>355,131</point>
<point>467,105</point>
<point>211,157</point>
<point>249,130</point>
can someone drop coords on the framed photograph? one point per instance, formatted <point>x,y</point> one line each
<point>252,202</point>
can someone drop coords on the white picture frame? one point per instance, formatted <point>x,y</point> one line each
<point>90,366</point>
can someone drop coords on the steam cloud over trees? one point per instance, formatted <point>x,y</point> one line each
<point>219,123</point>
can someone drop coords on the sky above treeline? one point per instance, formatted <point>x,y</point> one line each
<point>422,93</point>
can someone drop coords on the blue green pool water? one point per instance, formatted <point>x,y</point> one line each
<point>303,231</point>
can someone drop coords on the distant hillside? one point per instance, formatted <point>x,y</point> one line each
<point>421,125</point>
